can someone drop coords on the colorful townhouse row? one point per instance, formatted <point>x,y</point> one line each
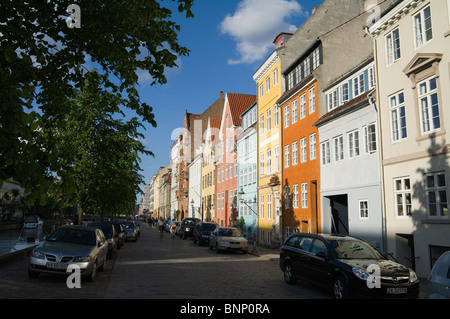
<point>346,134</point>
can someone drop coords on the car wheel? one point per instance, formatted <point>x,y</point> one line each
<point>289,275</point>
<point>340,288</point>
<point>33,274</point>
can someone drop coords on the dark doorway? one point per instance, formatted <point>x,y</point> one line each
<point>339,214</point>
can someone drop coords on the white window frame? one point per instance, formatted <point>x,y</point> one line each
<point>268,120</point>
<point>286,116</point>
<point>261,90</point>
<point>277,158</point>
<point>353,144</point>
<point>286,156</point>
<point>396,108</point>
<point>261,206</point>
<point>275,77</point>
<point>294,153</point>
<point>364,209</point>
<point>261,164</point>
<point>269,206</point>
<point>268,84</point>
<point>312,147</point>
<point>426,114</point>
<point>325,152</point>
<point>421,36</point>
<point>393,47</point>
<point>294,111</point>
<point>303,150</point>
<point>403,197</point>
<point>338,147</point>
<point>370,138</point>
<point>261,124</point>
<point>304,190</point>
<point>269,162</point>
<point>303,106</point>
<point>312,100</point>
<point>437,191</point>
<point>295,196</point>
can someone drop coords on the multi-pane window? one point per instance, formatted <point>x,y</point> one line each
<point>268,84</point>
<point>370,137</point>
<point>286,116</point>
<point>358,85</point>
<point>269,120</point>
<point>398,116</point>
<point>275,77</point>
<point>254,173</point>
<point>338,143</point>
<point>261,90</point>
<point>325,149</point>
<point>275,115</point>
<point>307,66</point>
<point>261,165</point>
<point>295,196</point>
<point>429,105</point>
<point>261,206</point>
<point>302,106</point>
<point>312,100</point>
<point>402,192</point>
<point>333,100</point>
<point>344,93</point>
<point>304,195</point>
<point>436,191</point>
<point>261,124</point>
<point>269,206</point>
<point>294,153</point>
<point>363,209</point>
<point>269,162</point>
<point>303,150</point>
<point>316,58</point>
<point>312,146</point>
<point>393,47</point>
<point>286,156</point>
<point>423,31</point>
<point>294,111</point>
<point>353,144</point>
<point>277,158</point>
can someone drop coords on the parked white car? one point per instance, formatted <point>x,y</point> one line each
<point>438,285</point>
<point>228,238</point>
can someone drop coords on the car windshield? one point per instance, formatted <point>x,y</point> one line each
<point>355,249</point>
<point>73,236</point>
<point>106,229</point>
<point>128,225</point>
<point>188,222</point>
<point>209,227</point>
<point>230,232</point>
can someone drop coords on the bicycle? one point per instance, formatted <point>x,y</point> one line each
<point>172,231</point>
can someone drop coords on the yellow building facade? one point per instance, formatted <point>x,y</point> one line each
<point>208,182</point>
<point>268,81</point>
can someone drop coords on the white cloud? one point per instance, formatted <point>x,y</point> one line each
<point>255,24</point>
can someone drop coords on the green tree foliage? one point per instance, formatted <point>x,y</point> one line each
<point>42,62</point>
<point>98,151</point>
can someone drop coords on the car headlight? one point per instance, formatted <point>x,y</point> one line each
<point>412,276</point>
<point>82,259</point>
<point>37,254</point>
<point>361,274</point>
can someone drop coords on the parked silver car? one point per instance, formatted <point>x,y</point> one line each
<point>228,238</point>
<point>71,244</point>
<point>438,286</point>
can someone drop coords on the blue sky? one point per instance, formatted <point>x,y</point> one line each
<point>228,41</point>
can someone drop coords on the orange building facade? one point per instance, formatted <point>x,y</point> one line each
<point>300,158</point>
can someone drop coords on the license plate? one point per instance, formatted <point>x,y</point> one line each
<point>56,266</point>
<point>397,291</point>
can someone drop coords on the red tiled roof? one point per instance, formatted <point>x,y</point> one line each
<point>215,121</point>
<point>238,104</point>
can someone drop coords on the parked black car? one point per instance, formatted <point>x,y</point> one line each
<point>350,266</point>
<point>110,233</point>
<point>120,234</point>
<point>187,227</point>
<point>202,231</point>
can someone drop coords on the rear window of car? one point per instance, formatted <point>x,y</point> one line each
<point>209,226</point>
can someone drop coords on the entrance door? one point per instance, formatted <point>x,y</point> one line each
<point>339,214</point>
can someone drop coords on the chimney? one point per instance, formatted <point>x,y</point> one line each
<point>221,95</point>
